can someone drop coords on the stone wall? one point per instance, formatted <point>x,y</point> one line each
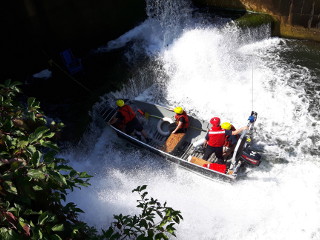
<point>294,18</point>
<point>35,30</point>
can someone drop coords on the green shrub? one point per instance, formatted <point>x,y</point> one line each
<point>144,226</point>
<point>33,182</point>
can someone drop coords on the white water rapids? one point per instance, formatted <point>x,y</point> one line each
<point>213,69</point>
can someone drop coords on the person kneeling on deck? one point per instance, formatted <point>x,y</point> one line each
<point>230,140</point>
<point>126,121</point>
<point>182,121</point>
<point>215,139</point>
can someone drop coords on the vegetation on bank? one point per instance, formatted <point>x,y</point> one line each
<point>34,183</point>
<point>252,20</point>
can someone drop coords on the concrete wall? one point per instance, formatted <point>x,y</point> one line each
<point>294,18</point>
<point>33,28</point>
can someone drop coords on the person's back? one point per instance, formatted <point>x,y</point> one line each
<point>126,119</point>
<point>127,114</point>
<point>182,121</point>
<point>124,115</point>
<point>215,139</point>
<point>230,140</point>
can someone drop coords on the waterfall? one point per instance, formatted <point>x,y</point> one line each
<point>212,68</point>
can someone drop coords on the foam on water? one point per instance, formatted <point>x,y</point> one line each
<point>215,71</point>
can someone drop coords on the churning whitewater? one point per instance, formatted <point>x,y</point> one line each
<point>212,68</point>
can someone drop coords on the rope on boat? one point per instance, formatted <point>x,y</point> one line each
<point>51,63</point>
<point>147,115</point>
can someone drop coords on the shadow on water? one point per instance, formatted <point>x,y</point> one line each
<point>71,97</point>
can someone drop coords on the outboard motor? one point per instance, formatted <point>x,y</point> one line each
<point>250,157</point>
<point>242,152</point>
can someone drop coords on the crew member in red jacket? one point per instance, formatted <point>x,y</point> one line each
<point>182,121</point>
<point>215,139</point>
<point>126,121</point>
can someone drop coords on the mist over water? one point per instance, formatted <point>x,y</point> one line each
<point>211,70</point>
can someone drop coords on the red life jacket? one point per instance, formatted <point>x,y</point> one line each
<point>227,143</point>
<point>127,113</point>
<point>217,136</point>
<point>186,118</point>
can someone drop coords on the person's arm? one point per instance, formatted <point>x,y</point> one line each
<point>177,128</point>
<point>117,117</point>
<point>236,132</point>
<point>113,120</point>
<point>206,140</point>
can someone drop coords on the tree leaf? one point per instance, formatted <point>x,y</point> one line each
<point>37,188</point>
<point>36,174</point>
<point>42,218</point>
<point>50,145</point>
<point>32,116</point>
<point>143,223</point>
<point>57,228</point>
<point>55,237</point>
<point>108,233</point>
<point>58,178</point>
<point>37,233</point>
<point>48,135</point>
<point>38,134</point>
<point>31,149</point>
<point>160,236</point>
<point>22,144</point>
<point>31,102</point>
<point>8,234</point>
<point>36,158</point>
<point>9,187</point>
<point>84,175</point>
<point>64,168</point>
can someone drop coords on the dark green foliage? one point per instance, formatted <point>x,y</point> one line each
<point>33,182</point>
<point>156,221</point>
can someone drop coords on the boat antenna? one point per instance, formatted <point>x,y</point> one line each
<point>252,87</point>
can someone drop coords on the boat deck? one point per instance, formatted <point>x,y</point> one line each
<point>150,121</point>
<point>182,148</point>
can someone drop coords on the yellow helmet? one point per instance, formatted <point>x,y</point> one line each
<point>178,110</point>
<point>226,126</point>
<point>120,103</point>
